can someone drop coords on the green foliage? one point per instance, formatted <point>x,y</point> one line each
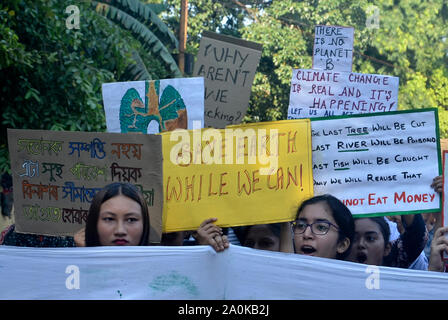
<point>11,50</point>
<point>52,75</point>
<point>217,16</point>
<point>137,70</point>
<point>138,28</point>
<point>410,42</point>
<point>145,14</point>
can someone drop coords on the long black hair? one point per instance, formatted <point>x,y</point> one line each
<point>242,232</point>
<point>108,192</point>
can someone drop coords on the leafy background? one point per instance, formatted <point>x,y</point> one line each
<point>51,76</point>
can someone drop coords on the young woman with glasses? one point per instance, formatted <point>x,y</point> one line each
<point>323,227</point>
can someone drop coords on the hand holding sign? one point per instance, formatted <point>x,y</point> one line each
<point>210,234</point>
<point>437,184</point>
<point>80,238</point>
<point>439,247</point>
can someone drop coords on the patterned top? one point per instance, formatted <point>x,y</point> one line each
<point>9,237</point>
<point>409,245</point>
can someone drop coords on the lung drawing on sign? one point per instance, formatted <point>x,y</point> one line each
<point>169,111</point>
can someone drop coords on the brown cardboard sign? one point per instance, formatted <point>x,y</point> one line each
<point>57,173</point>
<point>228,66</point>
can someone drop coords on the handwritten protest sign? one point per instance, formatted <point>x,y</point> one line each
<point>378,164</point>
<point>57,173</point>
<point>318,93</point>
<point>228,65</point>
<point>333,48</point>
<point>153,106</point>
<point>242,175</point>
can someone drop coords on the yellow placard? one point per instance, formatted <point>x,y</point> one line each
<point>242,175</point>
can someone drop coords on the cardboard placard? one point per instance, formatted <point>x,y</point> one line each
<point>378,164</point>
<point>228,66</point>
<point>318,93</point>
<point>57,173</point>
<point>224,173</point>
<point>333,48</point>
<point>153,106</point>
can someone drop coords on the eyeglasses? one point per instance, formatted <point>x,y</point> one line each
<point>318,228</point>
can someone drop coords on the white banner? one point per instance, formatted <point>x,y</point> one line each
<point>199,272</point>
<point>318,93</point>
<point>381,163</point>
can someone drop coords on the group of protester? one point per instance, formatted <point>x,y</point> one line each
<point>323,227</point>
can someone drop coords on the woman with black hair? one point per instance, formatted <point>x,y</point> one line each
<point>323,227</point>
<point>260,236</point>
<point>118,216</point>
<point>371,243</point>
<point>372,246</point>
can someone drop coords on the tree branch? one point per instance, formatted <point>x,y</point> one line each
<point>250,11</point>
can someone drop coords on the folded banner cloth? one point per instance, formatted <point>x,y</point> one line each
<point>199,272</point>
